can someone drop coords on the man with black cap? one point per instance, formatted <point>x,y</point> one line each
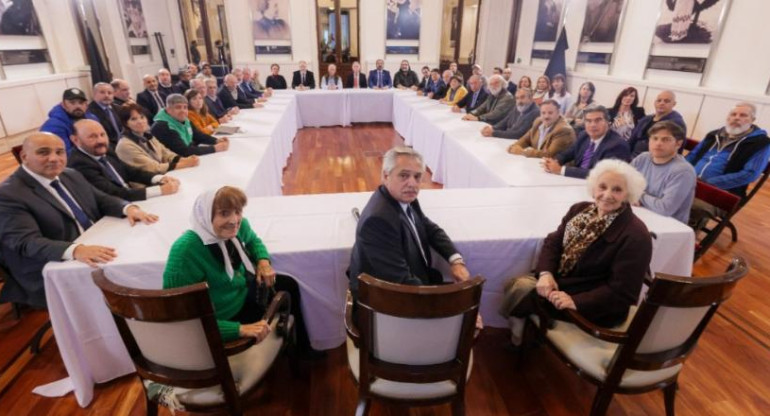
<point>62,118</point>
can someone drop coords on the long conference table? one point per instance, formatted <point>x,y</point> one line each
<point>498,230</point>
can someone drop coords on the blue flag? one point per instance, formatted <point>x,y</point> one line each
<point>558,62</point>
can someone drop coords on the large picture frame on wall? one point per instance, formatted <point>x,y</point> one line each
<point>271,27</point>
<point>550,18</point>
<point>601,29</point>
<point>135,28</point>
<point>684,34</point>
<point>402,27</point>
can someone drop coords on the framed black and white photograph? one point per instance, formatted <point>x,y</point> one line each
<point>549,13</point>
<point>688,21</point>
<point>684,34</point>
<point>18,18</point>
<point>271,27</point>
<point>602,21</point>
<point>133,18</point>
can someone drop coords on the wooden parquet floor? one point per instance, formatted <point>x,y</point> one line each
<point>729,373</point>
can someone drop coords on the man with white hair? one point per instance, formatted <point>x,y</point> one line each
<point>730,157</point>
<point>303,79</point>
<point>394,238</point>
<point>496,106</point>
<point>475,97</point>
<point>664,111</point>
<point>232,96</point>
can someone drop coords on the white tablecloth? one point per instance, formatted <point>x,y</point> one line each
<point>498,231</point>
<point>318,108</point>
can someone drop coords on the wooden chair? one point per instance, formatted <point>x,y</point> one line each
<point>16,311</point>
<point>649,350</point>
<point>414,342</point>
<point>173,339</point>
<point>16,151</point>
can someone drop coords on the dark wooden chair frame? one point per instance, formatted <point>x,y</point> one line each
<point>16,151</point>
<point>16,309</point>
<point>665,291</point>
<point>419,302</point>
<point>726,221</point>
<point>180,304</point>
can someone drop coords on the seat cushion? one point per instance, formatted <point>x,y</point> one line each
<point>594,355</point>
<point>248,367</point>
<point>404,391</point>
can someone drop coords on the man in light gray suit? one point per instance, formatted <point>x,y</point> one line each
<point>43,209</point>
<point>497,105</point>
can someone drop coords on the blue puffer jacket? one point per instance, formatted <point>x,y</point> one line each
<point>60,124</point>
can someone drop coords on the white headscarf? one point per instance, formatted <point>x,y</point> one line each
<point>201,225</point>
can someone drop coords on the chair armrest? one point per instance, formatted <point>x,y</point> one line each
<point>239,345</point>
<point>281,301</point>
<point>595,331</point>
<point>350,327</point>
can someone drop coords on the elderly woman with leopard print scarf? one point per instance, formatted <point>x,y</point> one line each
<point>595,261</point>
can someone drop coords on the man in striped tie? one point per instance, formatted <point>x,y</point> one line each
<point>596,143</point>
<point>43,209</point>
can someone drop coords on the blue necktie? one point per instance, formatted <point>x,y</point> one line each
<point>80,215</point>
<point>113,121</point>
<point>111,172</point>
<point>379,79</point>
<point>473,102</point>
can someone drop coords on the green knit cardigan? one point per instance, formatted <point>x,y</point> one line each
<point>190,262</point>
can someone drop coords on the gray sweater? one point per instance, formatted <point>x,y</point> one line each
<point>670,187</point>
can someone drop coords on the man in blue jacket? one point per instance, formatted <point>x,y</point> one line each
<point>62,118</point>
<point>380,78</point>
<point>730,157</point>
<point>597,142</point>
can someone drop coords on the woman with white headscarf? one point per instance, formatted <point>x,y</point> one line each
<point>222,250</point>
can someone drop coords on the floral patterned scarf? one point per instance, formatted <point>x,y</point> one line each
<point>581,231</point>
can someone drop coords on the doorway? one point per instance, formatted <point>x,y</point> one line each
<point>460,22</point>
<point>205,31</point>
<point>338,23</point>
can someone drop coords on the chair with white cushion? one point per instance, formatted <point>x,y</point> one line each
<point>411,345</point>
<point>648,351</point>
<point>175,344</point>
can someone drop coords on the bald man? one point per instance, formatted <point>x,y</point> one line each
<point>151,98</point>
<point>43,209</point>
<point>664,111</point>
<point>109,174</point>
<point>165,85</point>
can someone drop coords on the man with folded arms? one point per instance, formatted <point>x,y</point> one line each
<point>43,209</point>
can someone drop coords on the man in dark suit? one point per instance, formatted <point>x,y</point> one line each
<point>165,85</point>
<point>184,81</point>
<point>303,79</point>
<point>151,99</point>
<point>232,96</point>
<point>248,88</point>
<point>106,172</point>
<point>104,109</point>
<point>356,79</point>
<point>596,143</point>
<point>394,238</point>
<point>121,92</point>
<point>511,86</point>
<point>215,105</point>
<point>474,98</point>
<point>43,209</point>
<point>379,78</point>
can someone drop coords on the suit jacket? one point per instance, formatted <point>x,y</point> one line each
<point>511,88</point>
<point>639,140</point>
<point>386,247</point>
<point>296,79</point>
<point>468,100</point>
<point>494,108</point>
<point>612,147</point>
<point>216,108</point>
<point>406,80</point>
<point>228,101</point>
<point>361,80</point>
<point>95,173</point>
<point>249,90</point>
<point>104,119</point>
<point>181,87</point>
<point>608,277</point>
<point>37,228</point>
<point>154,158</point>
<point>145,99</point>
<point>386,81</point>
<point>516,124</point>
<point>173,142</point>
<point>559,138</point>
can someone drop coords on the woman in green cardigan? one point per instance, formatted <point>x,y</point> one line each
<point>222,250</point>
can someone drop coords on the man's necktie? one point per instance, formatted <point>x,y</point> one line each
<point>410,216</point>
<point>379,79</point>
<point>158,100</point>
<point>473,101</point>
<point>303,78</point>
<point>114,122</point>
<point>80,215</point>
<point>111,172</point>
<point>588,155</point>
<point>355,80</point>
